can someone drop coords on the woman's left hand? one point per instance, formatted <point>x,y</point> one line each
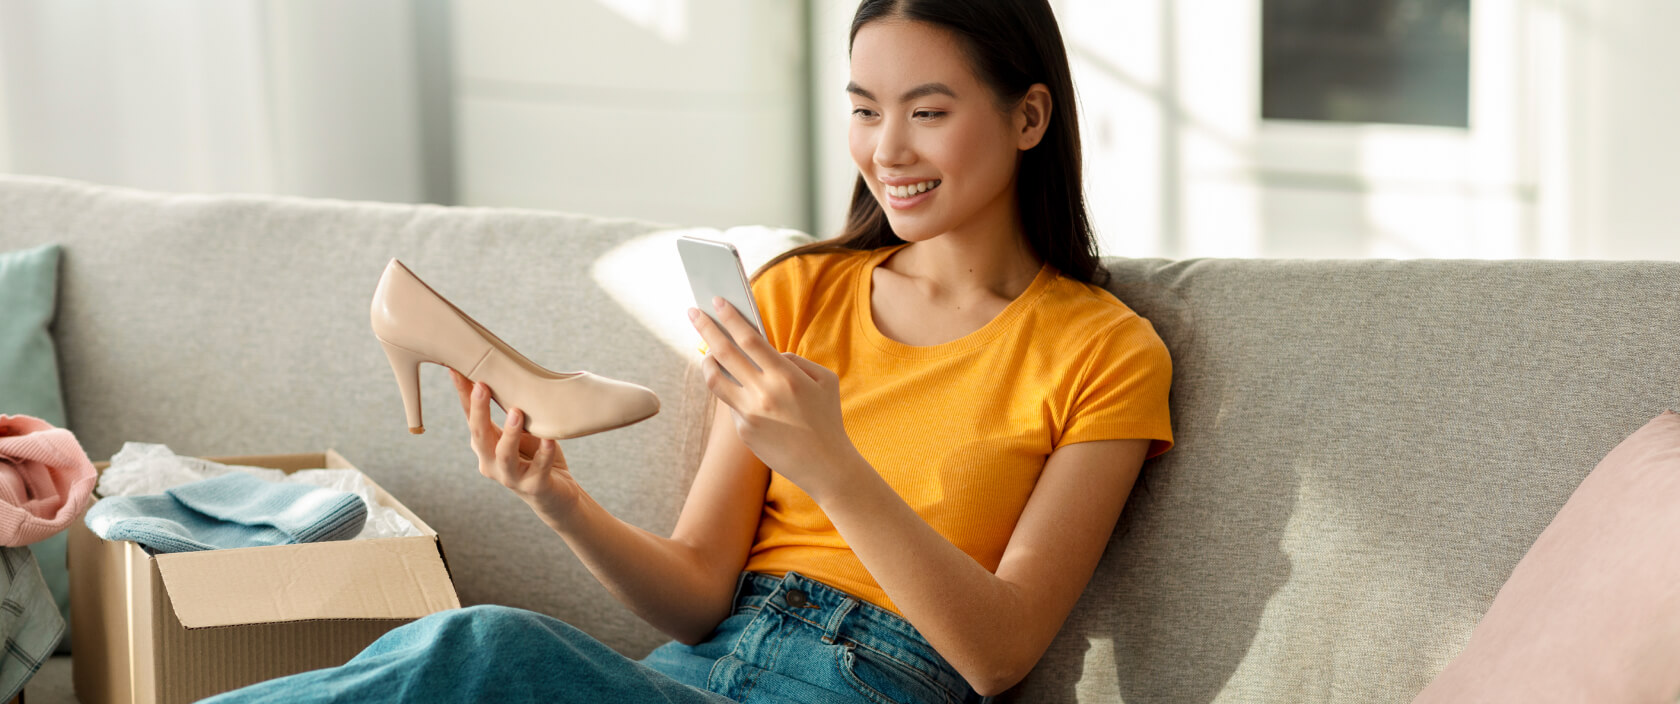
<point>786,407</point>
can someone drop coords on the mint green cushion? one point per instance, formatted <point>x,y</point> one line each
<point>29,374</point>
<point>28,366</point>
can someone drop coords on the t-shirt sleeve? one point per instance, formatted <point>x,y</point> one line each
<point>1122,391</point>
<point>778,292</point>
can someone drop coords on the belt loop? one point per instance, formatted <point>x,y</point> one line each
<point>831,628</point>
<point>740,586</point>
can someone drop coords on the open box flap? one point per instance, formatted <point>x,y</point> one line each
<point>386,578</point>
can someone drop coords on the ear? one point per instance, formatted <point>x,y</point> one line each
<point>1032,117</point>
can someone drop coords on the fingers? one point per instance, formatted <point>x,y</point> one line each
<point>502,452</point>
<point>727,391</point>
<point>487,439</point>
<point>464,389</point>
<point>747,337</point>
<point>811,369</point>
<point>483,431</point>
<point>544,456</point>
<point>507,448</point>
<point>729,354</point>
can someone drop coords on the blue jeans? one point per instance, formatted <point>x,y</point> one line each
<point>789,639</point>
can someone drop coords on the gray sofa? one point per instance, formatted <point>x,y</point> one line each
<point>1365,447</point>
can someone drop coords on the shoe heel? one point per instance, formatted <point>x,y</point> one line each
<point>406,365</point>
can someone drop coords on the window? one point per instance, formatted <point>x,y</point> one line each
<point>1385,61</point>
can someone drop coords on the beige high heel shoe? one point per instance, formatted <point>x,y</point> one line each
<point>416,325</point>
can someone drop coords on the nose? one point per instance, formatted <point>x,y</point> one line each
<point>892,146</point>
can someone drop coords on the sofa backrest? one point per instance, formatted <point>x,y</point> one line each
<point>225,325</point>
<point>1365,447</point>
<point>1365,450</point>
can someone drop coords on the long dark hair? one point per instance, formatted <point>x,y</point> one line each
<point>1011,45</point>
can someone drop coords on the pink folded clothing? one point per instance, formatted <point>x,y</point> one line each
<point>45,479</point>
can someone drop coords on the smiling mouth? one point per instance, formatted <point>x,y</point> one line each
<point>912,190</point>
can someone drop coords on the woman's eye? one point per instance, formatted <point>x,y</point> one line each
<point>860,112</point>
<point>929,114</point>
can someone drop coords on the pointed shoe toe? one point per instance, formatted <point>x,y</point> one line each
<point>414,324</point>
<point>617,404</point>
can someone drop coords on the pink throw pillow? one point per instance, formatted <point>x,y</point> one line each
<point>1592,612</point>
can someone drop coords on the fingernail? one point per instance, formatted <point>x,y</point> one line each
<point>717,302</point>
<point>478,390</point>
<point>693,314</point>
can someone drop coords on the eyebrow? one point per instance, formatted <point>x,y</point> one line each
<point>922,90</point>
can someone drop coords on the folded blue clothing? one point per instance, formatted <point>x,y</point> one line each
<point>234,510</point>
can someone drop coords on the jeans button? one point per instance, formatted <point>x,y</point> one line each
<point>796,598</point>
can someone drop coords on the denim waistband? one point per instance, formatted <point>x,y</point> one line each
<point>843,617</point>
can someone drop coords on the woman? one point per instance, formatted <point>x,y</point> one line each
<point>908,489</point>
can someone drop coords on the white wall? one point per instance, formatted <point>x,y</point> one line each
<point>156,96</point>
<point>691,113</point>
<point>306,97</point>
<point>344,99</point>
<point>831,22</point>
<point>683,112</point>
<point>1623,138</point>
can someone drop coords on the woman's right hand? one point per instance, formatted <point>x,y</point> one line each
<point>534,469</point>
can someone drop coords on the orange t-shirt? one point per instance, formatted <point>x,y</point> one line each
<point>962,429</point>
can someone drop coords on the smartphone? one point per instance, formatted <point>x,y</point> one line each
<point>714,269</point>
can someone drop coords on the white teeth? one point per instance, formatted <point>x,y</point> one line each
<point>913,189</point>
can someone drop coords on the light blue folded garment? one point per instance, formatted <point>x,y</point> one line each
<point>234,510</point>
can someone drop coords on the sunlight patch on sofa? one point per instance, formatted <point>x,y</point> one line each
<point>645,276</point>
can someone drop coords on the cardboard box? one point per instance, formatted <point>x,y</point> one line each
<point>179,627</point>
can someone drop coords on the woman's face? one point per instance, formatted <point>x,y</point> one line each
<point>923,121</point>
